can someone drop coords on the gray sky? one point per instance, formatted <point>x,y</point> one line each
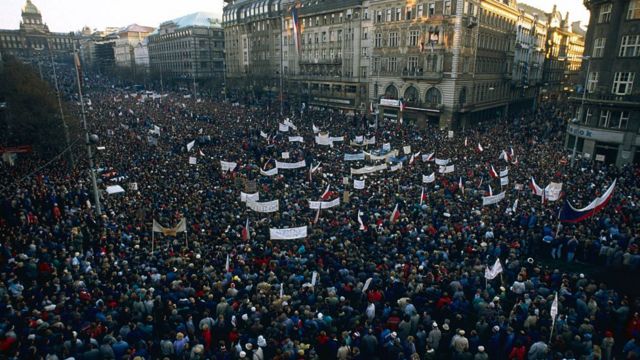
<point>70,15</point>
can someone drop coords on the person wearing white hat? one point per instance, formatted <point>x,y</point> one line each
<point>481,355</point>
<point>433,339</point>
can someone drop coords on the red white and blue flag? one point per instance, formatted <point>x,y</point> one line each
<point>570,214</point>
<point>395,215</point>
<point>493,173</point>
<point>296,27</point>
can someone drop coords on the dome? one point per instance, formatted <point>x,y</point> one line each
<point>29,8</point>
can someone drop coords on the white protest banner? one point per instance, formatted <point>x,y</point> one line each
<point>315,128</point>
<point>490,200</point>
<point>192,160</point>
<point>368,169</point>
<point>396,167</point>
<point>114,189</point>
<point>244,197</point>
<point>227,165</point>
<point>296,139</point>
<point>359,138</point>
<point>518,186</point>
<point>296,165</point>
<point>386,146</point>
<point>442,162</point>
<point>285,154</point>
<point>370,141</point>
<point>552,191</point>
<point>263,134</point>
<point>353,157</point>
<point>288,234</point>
<point>450,134</point>
<point>133,186</point>
<point>324,204</point>
<point>504,181</point>
<point>314,278</point>
<point>446,169</point>
<point>271,172</point>
<point>323,140</point>
<point>385,157</point>
<point>427,157</point>
<point>283,127</point>
<point>504,172</point>
<point>429,179</point>
<point>336,139</point>
<point>407,149</point>
<point>264,207</point>
<point>358,184</point>
<point>191,145</point>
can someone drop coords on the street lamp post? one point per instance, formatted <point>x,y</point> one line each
<point>581,110</point>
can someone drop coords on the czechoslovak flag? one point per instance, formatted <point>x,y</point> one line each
<point>423,196</point>
<point>363,227</point>
<point>493,173</point>
<point>326,194</point>
<point>395,215</point>
<point>245,231</point>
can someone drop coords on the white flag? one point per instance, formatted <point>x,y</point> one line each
<point>366,285</point>
<point>495,270</point>
<point>554,307</point>
<point>191,145</point>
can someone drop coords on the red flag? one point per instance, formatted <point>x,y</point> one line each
<point>245,231</point>
<point>423,196</point>
<point>493,173</point>
<point>326,194</point>
<point>395,215</point>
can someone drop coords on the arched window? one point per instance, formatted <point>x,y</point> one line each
<point>433,97</point>
<point>411,95</point>
<point>391,92</point>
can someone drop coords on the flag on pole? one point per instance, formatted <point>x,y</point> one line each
<point>461,185</point>
<point>554,308</point>
<point>395,215</point>
<point>423,196</point>
<point>245,231</point>
<point>537,190</point>
<point>281,290</point>
<point>490,191</point>
<point>363,227</point>
<point>572,215</point>
<point>493,173</point>
<point>466,142</point>
<point>227,265</point>
<point>503,156</point>
<point>326,194</point>
<point>191,145</point>
<point>495,270</point>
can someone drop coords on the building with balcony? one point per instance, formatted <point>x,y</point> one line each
<point>33,39</point>
<point>189,49</point>
<point>607,113</point>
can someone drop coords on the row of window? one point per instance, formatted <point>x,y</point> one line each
<point>629,46</point>
<point>622,82</point>
<point>413,12</point>
<point>608,119</point>
<point>632,13</point>
<point>413,65</point>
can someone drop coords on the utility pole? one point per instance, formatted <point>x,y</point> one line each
<point>581,110</point>
<point>96,195</point>
<point>64,122</point>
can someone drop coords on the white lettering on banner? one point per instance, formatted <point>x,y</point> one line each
<point>504,181</point>
<point>407,149</point>
<point>264,207</point>
<point>353,157</point>
<point>490,200</point>
<point>504,172</point>
<point>227,165</point>
<point>368,169</point>
<point>324,204</point>
<point>358,184</point>
<point>389,102</point>
<point>288,234</point>
<point>552,191</point>
<point>244,197</point>
<point>429,179</point>
<point>296,139</point>
<point>283,127</point>
<point>442,162</point>
<point>446,169</point>
<point>296,165</point>
<point>271,172</point>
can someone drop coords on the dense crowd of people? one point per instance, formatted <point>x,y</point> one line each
<point>79,286</point>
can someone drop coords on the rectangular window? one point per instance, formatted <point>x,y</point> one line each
<point>378,41</point>
<point>378,16</point>
<point>598,47</point>
<point>624,120</point>
<point>623,83</point>
<point>412,63</point>
<point>630,46</point>
<point>376,64</point>
<point>592,82</point>
<point>605,13</point>
<point>398,16</point>
<point>393,39</point>
<point>364,51</point>
<point>420,10</point>
<point>633,11</point>
<point>447,7</point>
<point>432,9</point>
<point>413,37</point>
<point>393,64</point>
<point>388,16</point>
<point>363,71</point>
<point>409,13</point>
<point>605,116</point>
<point>589,115</point>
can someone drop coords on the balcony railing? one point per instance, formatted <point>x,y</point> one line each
<point>421,75</point>
<point>329,61</point>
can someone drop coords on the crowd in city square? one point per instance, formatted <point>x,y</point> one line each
<point>397,270</point>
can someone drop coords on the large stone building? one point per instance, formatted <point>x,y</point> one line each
<point>189,49</point>
<point>129,38</point>
<point>608,114</point>
<point>33,39</point>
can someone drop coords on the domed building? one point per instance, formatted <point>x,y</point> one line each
<point>33,39</point>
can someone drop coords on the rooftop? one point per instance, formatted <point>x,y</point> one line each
<point>136,29</point>
<point>199,19</point>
